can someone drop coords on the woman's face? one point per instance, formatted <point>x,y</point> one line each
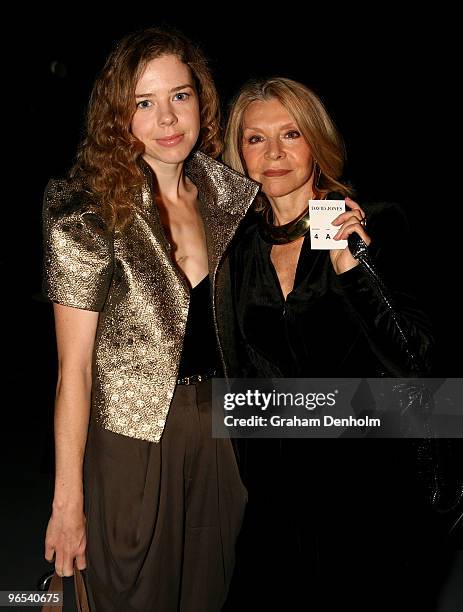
<point>275,152</point>
<point>167,117</point>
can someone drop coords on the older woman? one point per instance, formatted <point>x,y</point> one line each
<point>280,135</point>
<point>145,499</point>
<point>327,516</point>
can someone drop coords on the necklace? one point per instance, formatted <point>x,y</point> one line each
<point>282,234</point>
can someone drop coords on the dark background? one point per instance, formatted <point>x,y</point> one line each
<point>388,80</point>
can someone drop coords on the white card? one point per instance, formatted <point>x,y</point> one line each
<point>322,213</point>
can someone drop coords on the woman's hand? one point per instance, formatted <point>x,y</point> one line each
<point>66,539</point>
<point>352,220</point>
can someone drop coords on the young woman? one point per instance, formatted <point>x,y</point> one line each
<point>134,241</point>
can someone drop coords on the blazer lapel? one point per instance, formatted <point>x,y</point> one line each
<point>224,196</point>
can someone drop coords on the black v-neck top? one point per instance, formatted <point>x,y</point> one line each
<point>200,351</point>
<point>296,337</point>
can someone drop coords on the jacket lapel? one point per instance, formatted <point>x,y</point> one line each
<point>224,196</point>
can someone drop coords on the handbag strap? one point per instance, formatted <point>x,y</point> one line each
<point>56,584</point>
<point>80,591</point>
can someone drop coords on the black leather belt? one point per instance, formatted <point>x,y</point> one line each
<point>196,378</point>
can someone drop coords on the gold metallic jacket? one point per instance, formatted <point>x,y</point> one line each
<point>142,296</point>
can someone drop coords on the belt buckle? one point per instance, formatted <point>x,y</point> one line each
<point>195,378</point>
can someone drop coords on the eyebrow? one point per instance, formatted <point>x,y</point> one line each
<point>283,127</point>
<point>173,90</point>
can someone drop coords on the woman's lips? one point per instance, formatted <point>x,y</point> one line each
<point>276,172</point>
<point>170,141</point>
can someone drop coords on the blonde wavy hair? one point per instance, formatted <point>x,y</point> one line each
<point>107,157</point>
<point>312,119</point>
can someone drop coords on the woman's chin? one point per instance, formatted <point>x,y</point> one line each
<point>276,193</point>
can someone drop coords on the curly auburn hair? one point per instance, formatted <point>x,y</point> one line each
<point>107,157</point>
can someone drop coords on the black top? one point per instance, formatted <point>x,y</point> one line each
<point>280,335</point>
<point>330,325</point>
<point>200,351</point>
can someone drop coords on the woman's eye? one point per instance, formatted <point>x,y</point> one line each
<point>144,104</point>
<point>181,96</point>
<point>292,134</point>
<point>254,139</point>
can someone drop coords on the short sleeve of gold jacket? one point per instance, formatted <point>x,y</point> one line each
<point>78,251</point>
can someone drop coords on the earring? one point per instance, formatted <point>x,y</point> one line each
<point>316,175</point>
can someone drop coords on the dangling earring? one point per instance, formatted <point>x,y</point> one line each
<point>316,179</point>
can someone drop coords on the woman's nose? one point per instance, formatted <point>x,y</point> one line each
<point>274,149</point>
<point>167,117</point>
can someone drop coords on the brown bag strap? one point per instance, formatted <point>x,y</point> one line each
<point>56,584</point>
<point>81,592</point>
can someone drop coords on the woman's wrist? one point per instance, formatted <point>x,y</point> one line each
<point>68,500</point>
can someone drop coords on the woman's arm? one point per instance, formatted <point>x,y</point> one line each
<point>65,537</point>
<point>380,298</point>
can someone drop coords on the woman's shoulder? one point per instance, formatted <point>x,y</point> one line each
<point>245,238</point>
<point>385,219</point>
<point>70,198</point>
<point>384,211</point>
<point>248,229</point>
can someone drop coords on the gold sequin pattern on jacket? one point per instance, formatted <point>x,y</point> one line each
<point>142,296</point>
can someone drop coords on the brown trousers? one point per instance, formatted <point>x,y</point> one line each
<point>162,519</point>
